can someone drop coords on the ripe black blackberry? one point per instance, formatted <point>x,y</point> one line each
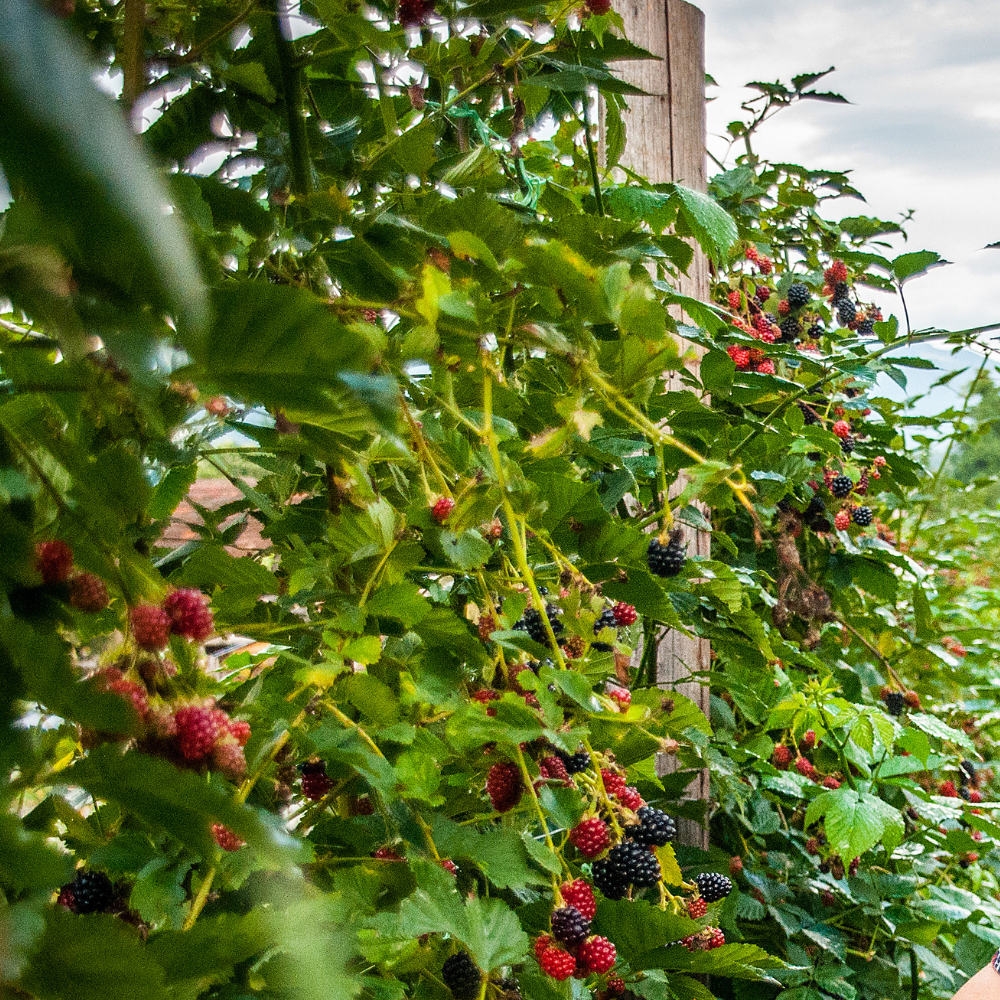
<point>713,886</point>
<point>815,515</point>
<point>531,622</point>
<point>816,331</point>
<point>840,292</point>
<point>847,444</point>
<point>846,312</point>
<point>894,702</point>
<point>841,486</point>
<point>669,559</point>
<point>569,925</point>
<point>797,295</point>
<point>809,414</point>
<point>862,516</point>
<point>608,878</point>
<point>576,763</point>
<point>866,328</point>
<point>92,892</point>
<point>606,619</point>
<point>635,864</point>
<point>655,827</point>
<point>462,976</point>
<point>790,329</point>
<point>552,612</point>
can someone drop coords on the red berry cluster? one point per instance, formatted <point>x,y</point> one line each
<point>54,562</point>
<point>704,940</point>
<point>504,785</point>
<point>594,954</point>
<point>442,509</point>
<point>184,612</point>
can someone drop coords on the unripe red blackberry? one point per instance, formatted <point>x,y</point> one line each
<point>598,7</point>
<point>88,593</point>
<point>831,782</point>
<point>734,299</point>
<point>781,757</point>
<point>387,854</point>
<point>225,838</point>
<point>197,730</point>
<point>504,786</point>
<point>631,799</point>
<point>620,694</point>
<point>697,908</point>
<point>553,767</point>
<point>624,614</point>
<point>462,976</point>
<point>717,940</point>
<point>766,367</point>
<point>842,520</point>
<point>150,627</point>
<point>597,954</point>
<point>541,943</point>
<point>812,846</point>
<point>442,509</point>
<point>228,758</point>
<point>740,355</point>
<point>557,963</point>
<point>189,615</point>
<point>240,731</point>
<point>590,836</point>
<point>578,893</point>
<point>569,925</point>
<point>54,560</point>
<point>735,865</point>
<point>614,783</point>
<point>841,428</point>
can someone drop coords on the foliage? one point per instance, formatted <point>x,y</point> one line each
<point>429,350</point>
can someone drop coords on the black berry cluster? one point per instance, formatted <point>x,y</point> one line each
<point>569,925</point>
<point>576,763</point>
<point>713,886</point>
<point>655,827</point>
<point>462,976</point>
<point>862,516</point>
<point>797,295</point>
<point>627,863</point>
<point>815,515</point>
<point>841,486</point>
<point>669,559</point>
<point>790,329</point>
<point>92,892</point>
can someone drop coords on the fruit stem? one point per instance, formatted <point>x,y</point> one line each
<point>200,900</point>
<point>602,791</point>
<point>526,778</point>
<point>513,522</point>
<point>422,446</point>
<point>376,571</point>
<point>661,483</point>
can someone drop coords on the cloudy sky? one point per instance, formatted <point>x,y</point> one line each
<point>922,131</point>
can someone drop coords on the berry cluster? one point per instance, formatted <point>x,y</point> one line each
<point>667,560</point>
<point>83,591</point>
<point>184,612</point>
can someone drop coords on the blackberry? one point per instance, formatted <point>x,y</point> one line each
<point>531,622</point>
<point>669,559</point>
<point>92,892</point>
<point>967,771</point>
<point>635,863</point>
<point>552,613</point>
<point>894,702</point>
<point>462,976</point>
<point>606,620</point>
<point>840,292</point>
<point>607,877</point>
<point>847,444</point>
<point>576,763</point>
<point>816,508</point>
<point>797,295</point>
<point>790,329</point>
<point>808,413</point>
<point>655,827</point>
<point>866,328</point>
<point>569,925</point>
<point>816,331</point>
<point>846,312</point>
<point>841,486</point>
<point>862,516</point>
<point>713,886</point>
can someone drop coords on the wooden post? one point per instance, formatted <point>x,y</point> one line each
<point>666,135</point>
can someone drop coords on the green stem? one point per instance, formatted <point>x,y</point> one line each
<point>914,976</point>
<point>514,523</point>
<point>592,156</point>
<point>291,87</point>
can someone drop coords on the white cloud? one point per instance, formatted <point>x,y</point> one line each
<point>922,132</point>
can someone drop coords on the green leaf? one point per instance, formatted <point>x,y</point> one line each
<point>181,802</point>
<point>935,727</point>
<point>67,146</point>
<point>736,961</point>
<point>855,821</point>
<point>711,225</point>
<point>638,928</point>
<point>912,265</point>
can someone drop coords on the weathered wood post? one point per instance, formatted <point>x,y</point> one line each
<point>666,135</point>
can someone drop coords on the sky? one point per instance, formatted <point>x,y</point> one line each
<point>922,131</point>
